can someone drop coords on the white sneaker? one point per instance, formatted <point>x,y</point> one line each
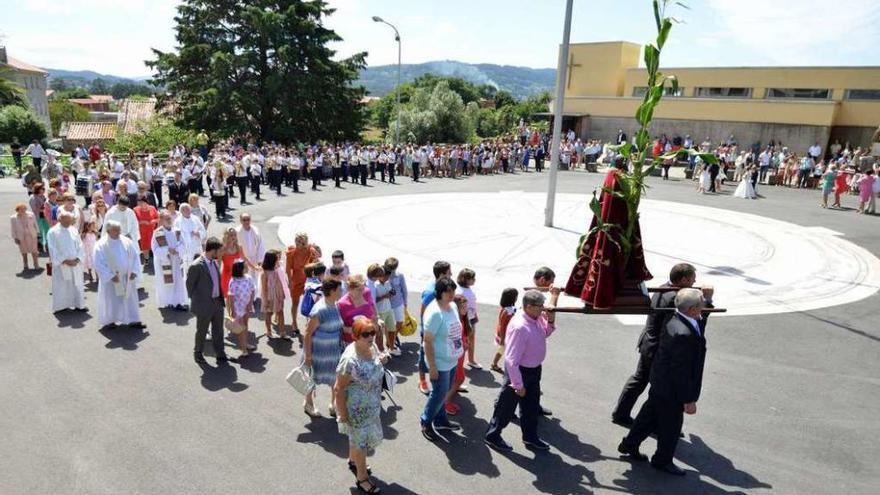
<point>396,352</point>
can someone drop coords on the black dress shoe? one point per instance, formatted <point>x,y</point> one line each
<point>81,310</point>
<point>497,443</point>
<point>199,358</point>
<point>536,444</point>
<point>669,469</point>
<point>625,421</point>
<point>546,412</point>
<point>137,325</point>
<point>632,453</point>
<point>226,359</point>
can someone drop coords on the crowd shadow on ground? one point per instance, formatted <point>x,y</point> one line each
<point>123,337</point>
<point>72,319</point>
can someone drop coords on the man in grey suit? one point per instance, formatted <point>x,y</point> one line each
<point>206,300</point>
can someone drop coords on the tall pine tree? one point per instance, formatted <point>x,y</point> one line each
<point>263,68</point>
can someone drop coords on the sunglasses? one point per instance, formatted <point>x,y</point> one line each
<point>366,335</point>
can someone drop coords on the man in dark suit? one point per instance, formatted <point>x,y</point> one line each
<point>680,276</point>
<point>676,380</point>
<point>207,300</point>
<point>178,191</point>
<point>621,137</point>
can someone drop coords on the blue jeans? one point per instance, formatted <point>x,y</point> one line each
<point>434,411</point>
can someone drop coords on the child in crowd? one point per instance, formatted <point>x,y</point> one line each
<point>335,273</point>
<point>398,302</point>
<point>273,291</point>
<point>508,309</point>
<point>384,293</point>
<point>467,332</point>
<point>338,258</point>
<point>312,291</point>
<point>466,279</point>
<point>89,236</point>
<point>240,304</point>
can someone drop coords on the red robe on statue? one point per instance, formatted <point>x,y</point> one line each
<point>599,274</point>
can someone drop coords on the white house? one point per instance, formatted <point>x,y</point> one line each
<point>33,80</point>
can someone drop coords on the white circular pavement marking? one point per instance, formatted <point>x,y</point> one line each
<point>757,265</point>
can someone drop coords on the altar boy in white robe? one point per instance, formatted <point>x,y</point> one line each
<point>168,265</point>
<point>122,213</point>
<point>67,254</point>
<point>117,261</point>
<point>192,235</point>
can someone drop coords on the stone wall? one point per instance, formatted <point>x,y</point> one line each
<point>797,137</point>
<point>857,136</point>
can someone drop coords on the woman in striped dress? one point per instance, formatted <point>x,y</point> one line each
<point>322,343</point>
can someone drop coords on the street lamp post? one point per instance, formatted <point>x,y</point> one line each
<point>557,117</point>
<point>397,39</point>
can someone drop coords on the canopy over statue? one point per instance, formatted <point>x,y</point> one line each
<point>604,276</point>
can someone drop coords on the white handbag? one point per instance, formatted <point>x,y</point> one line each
<point>300,378</point>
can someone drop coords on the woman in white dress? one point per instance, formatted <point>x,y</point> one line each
<point>745,189</point>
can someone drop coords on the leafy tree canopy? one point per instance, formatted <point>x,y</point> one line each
<point>65,111</point>
<point>21,123</point>
<point>262,68</point>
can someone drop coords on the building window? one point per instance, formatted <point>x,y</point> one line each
<point>862,94</point>
<point>810,94</point>
<point>640,91</point>
<point>706,92</point>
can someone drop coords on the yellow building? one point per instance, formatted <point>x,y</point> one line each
<point>795,105</point>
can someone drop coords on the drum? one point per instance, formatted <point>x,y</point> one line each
<point>83,186</point>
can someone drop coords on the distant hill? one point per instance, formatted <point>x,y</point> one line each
<point>88,75</point>
<point>379,80</point>
<point>521,82</point>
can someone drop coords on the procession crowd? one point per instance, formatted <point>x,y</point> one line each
<point>353,322</point>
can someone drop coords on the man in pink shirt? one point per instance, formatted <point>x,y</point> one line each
<point>525,349</point>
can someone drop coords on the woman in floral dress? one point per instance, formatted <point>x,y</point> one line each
<point>358,400</point>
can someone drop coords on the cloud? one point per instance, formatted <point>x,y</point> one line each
<point>798,32</point>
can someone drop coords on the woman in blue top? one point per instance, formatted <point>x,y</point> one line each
<point>443,346</point>
<point>398,303</point>
<point>321,344</point>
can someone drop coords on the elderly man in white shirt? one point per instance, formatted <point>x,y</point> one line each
<point>252,247</point>
<point>67,254</point>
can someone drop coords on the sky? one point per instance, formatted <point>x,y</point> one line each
<point>115,36</point>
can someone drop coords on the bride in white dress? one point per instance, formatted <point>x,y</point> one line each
<point>745,189</point>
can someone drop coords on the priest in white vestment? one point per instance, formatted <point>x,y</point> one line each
<point>67,255</point>
<point>192,235</point>
<point>122,213</point>
<point>168,265</point>
<point>117,261</point>
<point>252,248</point>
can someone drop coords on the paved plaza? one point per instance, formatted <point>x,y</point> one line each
<point>790,393</point>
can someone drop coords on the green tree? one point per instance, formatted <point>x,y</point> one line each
<point>125,89</point>
<point>156,135</point>
<point>99,87</point>
<point>504,98</point>
<point>10,92</point>
<point>436,115</point>
<point>261,67</point>
<point>59,84</point>
<point>65,111</point>
<point>70,93</point>
<point>16,121</point>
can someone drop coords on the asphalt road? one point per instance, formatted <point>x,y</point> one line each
<point>789,401</point>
